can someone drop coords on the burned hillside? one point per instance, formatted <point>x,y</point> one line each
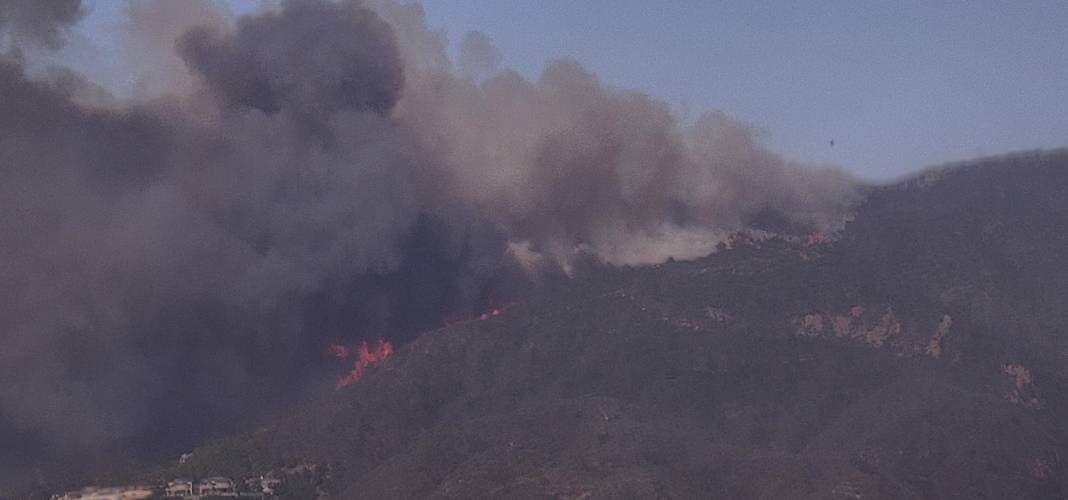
<point>900,358</point>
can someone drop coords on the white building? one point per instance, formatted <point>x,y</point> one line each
<point>265,484</point>
<point>217,486</point>
<point>179,488</point>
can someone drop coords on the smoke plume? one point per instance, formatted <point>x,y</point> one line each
<point>324,174</point>
<point>38,22</point>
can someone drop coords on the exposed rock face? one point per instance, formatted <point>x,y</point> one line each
<point>886,328</point>
<point>852,325</point>
<point>934,346</point>
<point>1022,391</point>
<point>811,325</point>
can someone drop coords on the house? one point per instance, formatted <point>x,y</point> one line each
<point>179,488</point>
<point>216,486</point>
<point>266,484</point>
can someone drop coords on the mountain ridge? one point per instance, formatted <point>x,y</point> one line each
<point>916,354</point>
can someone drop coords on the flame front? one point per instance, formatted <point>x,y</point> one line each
<point>366,355</point>
<point>371,354</point>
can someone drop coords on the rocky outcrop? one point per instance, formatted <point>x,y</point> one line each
<point>934,346</point>
<point>1022,391</point>
<point>851,325</point>
<point>884,331</point>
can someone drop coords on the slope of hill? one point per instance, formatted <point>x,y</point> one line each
<point>920,354</point>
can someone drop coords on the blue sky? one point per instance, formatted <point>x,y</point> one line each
<point>897,85</point>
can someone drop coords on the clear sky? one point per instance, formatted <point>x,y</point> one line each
<point>898,85</point>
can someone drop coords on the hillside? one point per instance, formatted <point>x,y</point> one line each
<point>920,353</point>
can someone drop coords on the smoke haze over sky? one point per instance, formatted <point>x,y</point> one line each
<point>899,86</point>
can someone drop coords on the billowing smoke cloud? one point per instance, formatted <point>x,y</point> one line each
<point>326,175</point>
<point>568,165</point>
<point>148,38</point>
<point>39,22</point>
<point>311,59</point>
<point>478,56</point>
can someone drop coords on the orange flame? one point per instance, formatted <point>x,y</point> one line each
<point>366,355</point>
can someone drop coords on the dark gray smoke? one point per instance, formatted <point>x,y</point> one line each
<point>312,59</point>
<point>38,21</point>
<point>327,177</point>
